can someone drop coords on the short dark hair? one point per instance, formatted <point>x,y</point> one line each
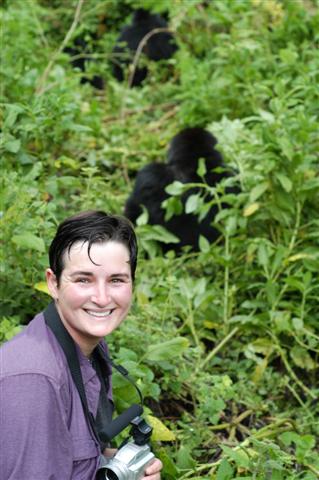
<point>91,227</point>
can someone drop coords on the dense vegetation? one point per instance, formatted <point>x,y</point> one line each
<point>224,342</point>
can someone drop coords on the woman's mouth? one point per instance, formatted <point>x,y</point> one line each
<point>100,314</point>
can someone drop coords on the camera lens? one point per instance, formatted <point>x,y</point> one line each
<point>111,475</point>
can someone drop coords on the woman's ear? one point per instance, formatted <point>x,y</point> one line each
<point>52,283</point>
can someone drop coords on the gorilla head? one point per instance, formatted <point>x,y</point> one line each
<point>187,147</point>
<point>159,45</point>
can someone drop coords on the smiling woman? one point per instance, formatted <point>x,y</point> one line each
<point>92,267</point>
<point>94,292</point>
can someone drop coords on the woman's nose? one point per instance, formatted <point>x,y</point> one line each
<point>101,295</point>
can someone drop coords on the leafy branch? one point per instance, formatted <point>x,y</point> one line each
<point>41,88</point>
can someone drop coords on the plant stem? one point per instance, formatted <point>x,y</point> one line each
<point>41,84</point>
<point>226,284</point>
<point>190,322</point>
<point>292,373</point>
<point>218,348</point>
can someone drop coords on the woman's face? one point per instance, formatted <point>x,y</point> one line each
<point>93,298</point>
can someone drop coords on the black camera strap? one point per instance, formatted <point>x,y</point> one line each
<point>52,319</point>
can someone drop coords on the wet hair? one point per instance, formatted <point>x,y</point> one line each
<point>91,227</point>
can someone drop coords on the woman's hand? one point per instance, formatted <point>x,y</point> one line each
<point>110,452</point>
<point>153,471</point>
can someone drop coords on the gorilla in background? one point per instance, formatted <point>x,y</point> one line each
<point>185,149</point>
<point>80,48</point>
<point>159,46</point>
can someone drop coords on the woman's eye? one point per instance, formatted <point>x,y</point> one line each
<point>82,280</point>
<point>117,280</point>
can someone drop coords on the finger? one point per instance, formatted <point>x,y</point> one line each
<point>109,452</point>
<point>154,468</point>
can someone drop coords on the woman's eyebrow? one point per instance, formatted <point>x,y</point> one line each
<point>90,274</point>
<point>81,272</point>
<point>123,275</point>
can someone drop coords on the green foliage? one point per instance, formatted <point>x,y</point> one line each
<point>8,328</point>
<point>223,343</point>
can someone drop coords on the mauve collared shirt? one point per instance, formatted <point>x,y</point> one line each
<point>43,431</point>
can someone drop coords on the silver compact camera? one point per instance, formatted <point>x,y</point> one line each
<point>129,463</point>
<point>132,458</point>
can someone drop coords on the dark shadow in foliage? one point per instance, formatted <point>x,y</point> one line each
<point>160,46</point>
<point>185,150</point>
<point>80,54</point>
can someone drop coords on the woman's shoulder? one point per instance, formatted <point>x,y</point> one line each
<point>33,351</point>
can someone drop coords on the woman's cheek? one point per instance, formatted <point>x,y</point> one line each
<point>125,295</point>
<point>80,292</point>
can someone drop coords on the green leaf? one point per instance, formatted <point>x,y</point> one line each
<point>184,459</point>
<point>304,443</point>
<point>267,116</point>
<point>301,358</point>
<point>9,328</point>
<point>42,287</point>
<point>173,206</point>
<point>277,261</point>
<point>12,111</point>
<point>126,354</point>
<point>263,255</point>
<point>156,232</point>
<point>225,471</point>
<point>192,203</point>
<point>285,182</point>
<point>258,191</point>
<point>80,128</point>
<point>251,209</point>
<point>160,432</point>
<point>304,446</point>
<point>259,371</point>
<point>289,437</point>
<point>204,244</point>
<point>271,289</point>
<point>143,218</point>
<point>163,235</point>
<point>30,241</point>
<point>231,225</point>
<point>186,287</point>
<point>297,323</point>
<point>12,146</point>
<point>239,456</point>
<point>288,56</point>
<point>281,320</point>
<point>166,350</point>
<point>175,188</point>
<point>287,147</point>
<point>169,469</point>
<point>201,170</point>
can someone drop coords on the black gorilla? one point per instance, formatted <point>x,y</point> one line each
<point>81,51</point>
<point>186,148</point>
<point>159,46</point>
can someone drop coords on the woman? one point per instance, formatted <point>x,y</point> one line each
<point>44,429</point>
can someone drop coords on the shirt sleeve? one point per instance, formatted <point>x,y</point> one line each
<point>35,442</point>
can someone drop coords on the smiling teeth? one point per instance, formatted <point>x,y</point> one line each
<point>99,314</point>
